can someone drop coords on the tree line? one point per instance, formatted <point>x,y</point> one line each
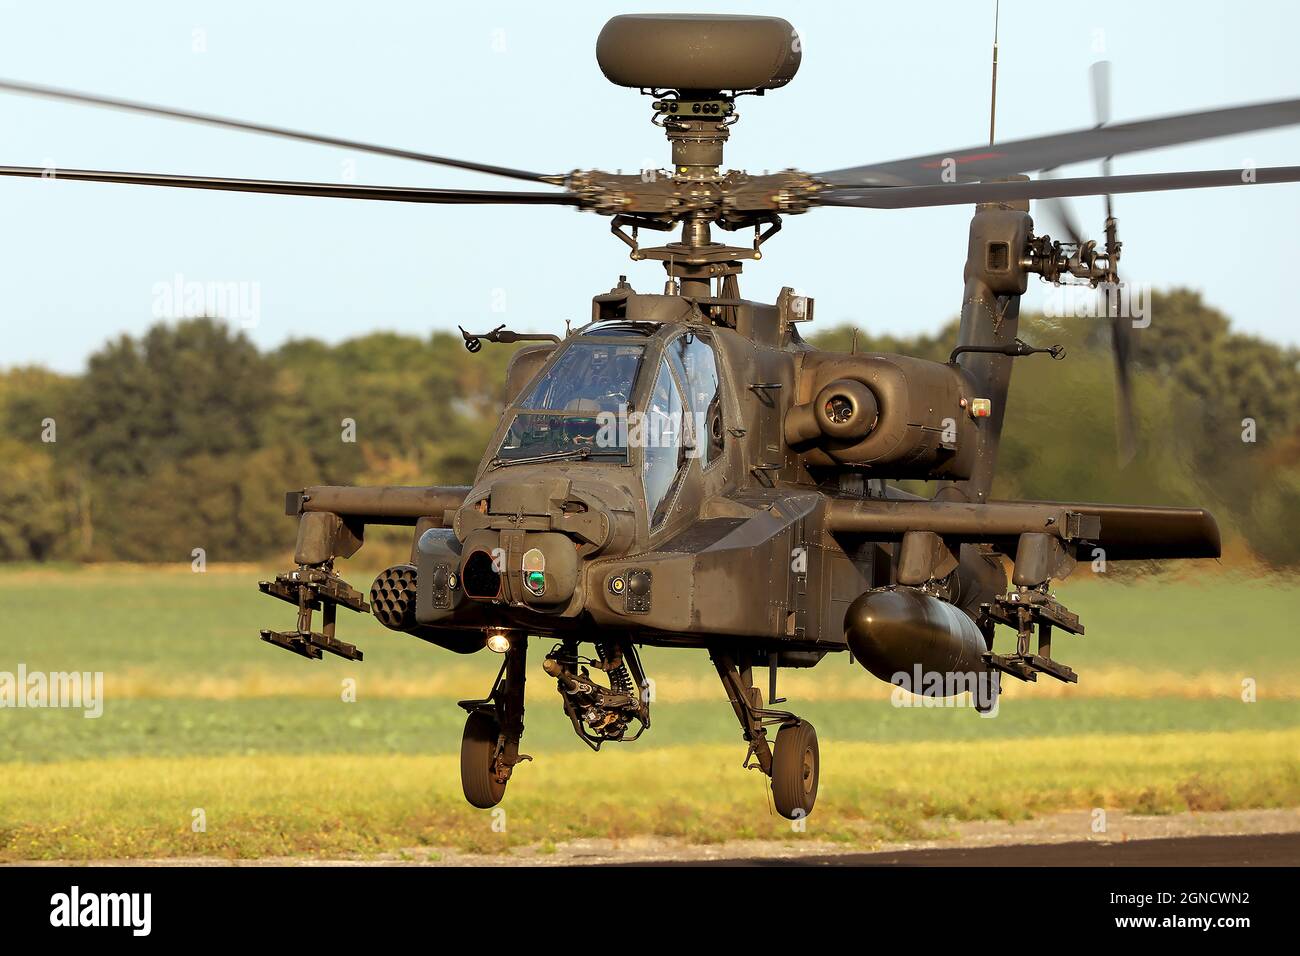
<point>187,436</point>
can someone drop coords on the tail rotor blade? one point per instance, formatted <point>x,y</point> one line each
<point>1061,214</point>
<point>1121,329</point>
<point>1125,416</point>
<point>1059,210</point>
<point>1110,199</point>
<point>1100,76</point>
<point>1062,218</point>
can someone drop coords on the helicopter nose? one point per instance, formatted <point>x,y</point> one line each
<point>524,538</point>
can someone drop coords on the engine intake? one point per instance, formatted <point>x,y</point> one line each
<point>904,417</point>
<point>845,410</point>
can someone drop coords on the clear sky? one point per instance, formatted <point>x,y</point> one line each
<point>517,84</point>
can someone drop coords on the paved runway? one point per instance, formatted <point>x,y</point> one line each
<point>1282,849</point>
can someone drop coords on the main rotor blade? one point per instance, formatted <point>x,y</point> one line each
<point>955,194</point>
<point>72,96</point>
<point>1062,149</point>
<point>327,190</point>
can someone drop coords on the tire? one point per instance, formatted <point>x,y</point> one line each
<point>795,769</point>
<point>478,746</point>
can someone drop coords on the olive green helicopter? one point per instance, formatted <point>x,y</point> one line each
<point>686,471</point>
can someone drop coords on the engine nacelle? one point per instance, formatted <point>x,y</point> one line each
<point>899,416</point>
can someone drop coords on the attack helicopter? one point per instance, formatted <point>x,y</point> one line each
<point>685,471</point>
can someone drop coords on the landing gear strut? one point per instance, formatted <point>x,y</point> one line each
<point>489,748</point>
<point>794,767</point>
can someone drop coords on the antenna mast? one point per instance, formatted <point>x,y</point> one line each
<point>993,98</point>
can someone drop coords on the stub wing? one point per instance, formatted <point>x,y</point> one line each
<point>1130,532</point>
<point>1124,532</point>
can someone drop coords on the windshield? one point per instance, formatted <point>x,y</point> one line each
<point>588,377</point>
<point>534,435</point>
<point>577,408</point>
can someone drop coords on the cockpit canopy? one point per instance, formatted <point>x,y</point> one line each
<point>623,386</point>
<point>589,376</point>
<point>589,384</point>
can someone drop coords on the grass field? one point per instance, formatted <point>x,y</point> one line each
<point>199,714</point>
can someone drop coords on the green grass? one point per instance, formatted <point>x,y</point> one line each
<point>101,619</point>
<point>177,728</point>
<point>178,623</point>
<point>1204,622</point>
<point>200,713</point>
<point>355,804</point>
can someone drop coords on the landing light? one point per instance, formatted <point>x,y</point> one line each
<point>498,643</point>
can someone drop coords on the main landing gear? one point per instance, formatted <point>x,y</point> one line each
<point>793,763</point>
<point>489,748</point>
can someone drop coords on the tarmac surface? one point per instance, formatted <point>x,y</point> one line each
<point>1272,849</point>
<point>1076,838</point>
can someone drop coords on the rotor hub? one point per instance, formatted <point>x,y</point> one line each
<point>698,131</point>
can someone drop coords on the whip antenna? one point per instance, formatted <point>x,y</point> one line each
<point>993,95</point>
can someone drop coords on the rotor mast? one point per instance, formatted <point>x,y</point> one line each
<point>697,125</point>
<point>694,67</point>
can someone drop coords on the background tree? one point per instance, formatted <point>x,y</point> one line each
<point>188,436</point>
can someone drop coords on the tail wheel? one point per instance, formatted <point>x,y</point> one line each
<point>478,748</point>
<point>795,767</point>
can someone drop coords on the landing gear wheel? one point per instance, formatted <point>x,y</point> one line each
<point>478,748</point>
<point>795,763</point>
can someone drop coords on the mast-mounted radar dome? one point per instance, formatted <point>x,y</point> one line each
<point>698,52</point>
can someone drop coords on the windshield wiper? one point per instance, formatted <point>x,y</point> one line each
<point>500,462</point>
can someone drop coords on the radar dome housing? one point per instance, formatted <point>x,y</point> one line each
<point>698,52</point>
